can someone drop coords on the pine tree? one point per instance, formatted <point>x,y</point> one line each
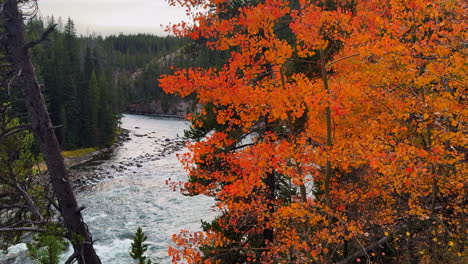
<point>54,81</point>
<point>138,249</point>
<point>90,112</point>
<point>72,75</point>
<point>107,122</point>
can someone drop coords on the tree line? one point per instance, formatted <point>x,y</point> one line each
<point>88,80</point>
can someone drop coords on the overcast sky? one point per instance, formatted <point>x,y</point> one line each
<point>114,16</point>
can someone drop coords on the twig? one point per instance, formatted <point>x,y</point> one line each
<point>341,59</point>
<point>364,251</point>
<point>11,80</point>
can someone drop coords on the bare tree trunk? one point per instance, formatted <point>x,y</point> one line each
<point>44,133</point>
<point>270,182</point>
<point>268,234</point>
<point>328,172</point>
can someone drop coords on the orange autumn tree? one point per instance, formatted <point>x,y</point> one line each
<point>336,131</point>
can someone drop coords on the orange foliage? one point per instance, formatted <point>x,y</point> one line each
<point>397,94</point>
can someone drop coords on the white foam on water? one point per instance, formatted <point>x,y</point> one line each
<point>18,248</point>
<point>138,196</point>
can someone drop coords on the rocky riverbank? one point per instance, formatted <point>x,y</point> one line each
<point>97,167</point>
<point>78,159</point>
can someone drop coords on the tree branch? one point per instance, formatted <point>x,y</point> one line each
<point>365,250</point>
<point>13,206</point>
<point>31,205</point>
<point>72,258</point>
<point>341,59</point>
<point>42,38</point>
<point>14,130</point>
<point>22,229</point>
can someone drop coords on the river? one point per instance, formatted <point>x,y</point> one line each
<point>127,189</point>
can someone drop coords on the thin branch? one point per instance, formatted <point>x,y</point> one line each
<point>11,81</point>
<point>4,35</point>
<point>42,38</point>
<point>32,206</point>
<point>72,258</point>
<point>242,146</point>
<point>4,195</point>
<point>13,206</point>
<point>52,202</point>
<point>20,223</point>
<point>301,60</point>
<point>341,59</point>
<point>14,130</point>
<point>22,229</point>
<point>4,65</point>
<point>365,250</point>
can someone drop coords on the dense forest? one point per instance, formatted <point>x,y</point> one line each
<point>89,80</point>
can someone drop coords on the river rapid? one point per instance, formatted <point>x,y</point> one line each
<point>127,189</point>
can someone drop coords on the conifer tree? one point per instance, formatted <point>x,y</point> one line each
<point>72,75</point>
<point>138,248</point>
<point>90,112</point>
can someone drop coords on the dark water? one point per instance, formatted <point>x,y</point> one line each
<point>128,190</point>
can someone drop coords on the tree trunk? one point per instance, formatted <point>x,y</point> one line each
<point>44,132</point>
<point>328,172</point>
<point>270,182</point>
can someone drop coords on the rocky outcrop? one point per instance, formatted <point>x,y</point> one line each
<point>177,107</point>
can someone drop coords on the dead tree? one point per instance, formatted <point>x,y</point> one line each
<point>18,52</point>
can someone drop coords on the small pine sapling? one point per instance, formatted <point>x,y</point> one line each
<point>47,247</point>
<point>138,249</point>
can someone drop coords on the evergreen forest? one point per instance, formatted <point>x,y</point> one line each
<point>88,80</point>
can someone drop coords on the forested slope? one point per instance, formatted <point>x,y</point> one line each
<point>89,81</point>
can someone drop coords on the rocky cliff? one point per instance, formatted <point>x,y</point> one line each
<point>176,107</point>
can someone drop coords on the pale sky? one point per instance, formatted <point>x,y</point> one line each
<point>114,16</point>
